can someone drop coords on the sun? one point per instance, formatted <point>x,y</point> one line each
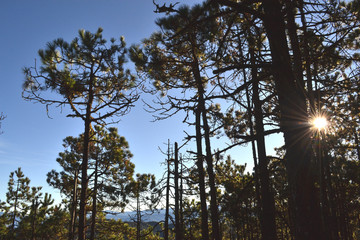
<point>320,123</point>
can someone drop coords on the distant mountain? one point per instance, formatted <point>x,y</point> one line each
<point>146,216</point>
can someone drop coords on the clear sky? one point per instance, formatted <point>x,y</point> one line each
<point>31,140</point>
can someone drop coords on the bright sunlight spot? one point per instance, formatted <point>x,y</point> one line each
<point>320,123</point>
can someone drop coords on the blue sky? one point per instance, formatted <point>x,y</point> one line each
<point>31,140</point>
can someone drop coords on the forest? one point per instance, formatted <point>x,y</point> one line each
<point>240,70</point>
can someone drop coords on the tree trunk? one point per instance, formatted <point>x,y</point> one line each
<point>138,214</point>
<point>166,225</point>
<point>199,163</point>
<point>33,219</point>
<point>294,42</point>
<point>210,169</point>
<point>267,216</point>
<point>176,185</point>
<point>357,143</point>
<point>294,125</point>
<point>84,182</point>
<point>73,207</point>
<point>15,209</point>
<point>85,162</point>
<point>181,215</point>
<point>209,160</point>
<point>307,58</point>
<point>94,207</point>
<point>254,153</point>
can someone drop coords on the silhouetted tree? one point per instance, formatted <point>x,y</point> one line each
<point>179,58</point>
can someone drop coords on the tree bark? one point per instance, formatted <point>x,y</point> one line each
<point>253,149</point>
<point>294,42</point>
<point>293,122</point>
<point>213,190</point>
<point>85,162</point>
<point>307,58</point>
<point>268,225</point>
<point>84,182</point>
<point>199,163</point>
<point>209,160</point>
<point>210,170</point>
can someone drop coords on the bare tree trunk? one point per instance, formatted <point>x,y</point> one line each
<point>166,225</point>
<point>293,122</point>
<point>181,215</point>
<point>176,185</point>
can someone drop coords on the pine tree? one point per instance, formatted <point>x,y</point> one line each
<point>143,193</point>
<point>110,172</point>
<point>179,58</point>
<point>16,198</point>
<point>68,180</point>
<point>89,77</point>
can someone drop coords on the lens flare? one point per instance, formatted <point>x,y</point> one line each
<point>320,123</point>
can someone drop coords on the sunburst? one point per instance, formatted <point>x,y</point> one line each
<point>319,123</point>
